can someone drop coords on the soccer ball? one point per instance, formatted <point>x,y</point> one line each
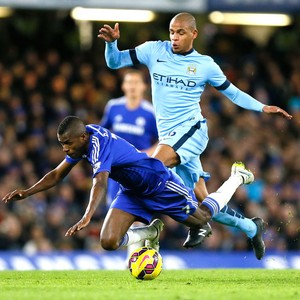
<point>145,263</point>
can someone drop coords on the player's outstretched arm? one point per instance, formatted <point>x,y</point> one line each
<point>48,181</point>
<point>109,34</point>
<point>276,110</point>
<point>97,195</point>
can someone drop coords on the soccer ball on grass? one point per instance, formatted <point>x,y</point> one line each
<point>145,263</point>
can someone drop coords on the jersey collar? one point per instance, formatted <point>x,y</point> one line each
<point>185,53</point>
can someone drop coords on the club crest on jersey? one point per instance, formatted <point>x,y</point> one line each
<point>140,121</point>
<point>191,69</point>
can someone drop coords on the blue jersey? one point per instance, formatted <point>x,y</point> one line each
<point>148,187</point>
<point>137,126</point>
<point>177,81</point>
<point>133,169</point>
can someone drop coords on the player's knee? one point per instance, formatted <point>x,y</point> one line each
<point>109,243</point>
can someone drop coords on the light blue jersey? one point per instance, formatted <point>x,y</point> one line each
<point>177,81</point>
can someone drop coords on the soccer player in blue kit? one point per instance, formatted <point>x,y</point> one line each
<point>179,75</point>
<point>148,187</point>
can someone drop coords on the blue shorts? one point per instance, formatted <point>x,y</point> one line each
<point>112,190</point>
<point>189,141</point>
<point>175,200</point>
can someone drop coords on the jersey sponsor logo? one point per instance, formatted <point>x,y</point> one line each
<point>128,128</point>
<point>118,118</point>
<point>173,81</point>
<point>140,121</point>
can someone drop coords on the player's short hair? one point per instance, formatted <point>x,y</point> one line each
<point>186,17</point>
<point>71,124</point>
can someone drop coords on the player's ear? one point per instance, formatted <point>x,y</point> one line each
<point>195,33</point>
<point>85,136</point>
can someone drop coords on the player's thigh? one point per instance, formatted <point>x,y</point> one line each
<point>167,155</point>
<point>188,145</point>
<point>116,224</point>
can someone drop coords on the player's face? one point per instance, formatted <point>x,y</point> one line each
<point>74,146</point>
<point>133,86</point>
<point>182,36</point>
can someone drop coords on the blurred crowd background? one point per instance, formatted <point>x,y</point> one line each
<point>46,74</point>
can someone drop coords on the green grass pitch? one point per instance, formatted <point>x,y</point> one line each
<point>206,284</point>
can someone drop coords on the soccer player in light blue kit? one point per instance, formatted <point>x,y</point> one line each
<point>179,75</point>
<point>148,187</point>
<point>132,118</point>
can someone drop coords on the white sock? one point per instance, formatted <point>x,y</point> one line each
<point>134,235</point>
<point>217,200</point>
<point>133,247</point>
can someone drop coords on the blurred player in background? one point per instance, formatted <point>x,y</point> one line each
<point>179,75</point>
<point>132,118</point>
<point>147,186</point>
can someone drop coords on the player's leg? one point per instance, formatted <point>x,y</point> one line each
<point>124,211</point>
<point>132,247</point>
<point>215,201</point>
<point>112,190</point>
<point>115,226</point>
<point>116,231</point>
<point>180,203</point>
<point>166,155</point>
<point>253,228</point>
<point>189,173</point>
<point>196,235</point>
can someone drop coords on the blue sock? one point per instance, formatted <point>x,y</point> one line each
<point>230,217</point>
<point>212,205</point>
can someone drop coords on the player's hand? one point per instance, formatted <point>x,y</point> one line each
<point>276,110</point>
<point>109,34</point>
<point>78,226</point>
<point>14,196</point>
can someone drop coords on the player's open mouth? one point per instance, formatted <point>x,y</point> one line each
<point>175,47</point>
